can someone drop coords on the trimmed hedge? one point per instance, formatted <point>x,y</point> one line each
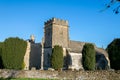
<point>13,51</point>
<point>113,50</point>
<point>57,57</point>
<point>1,62</point>
<point>88,57</point>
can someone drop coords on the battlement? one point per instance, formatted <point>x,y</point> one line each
<point>56,21</point>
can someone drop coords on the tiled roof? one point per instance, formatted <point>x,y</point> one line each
<point>77,46</point>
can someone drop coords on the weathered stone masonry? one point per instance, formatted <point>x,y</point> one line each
<point>56,32</point>
<point>64,75</point>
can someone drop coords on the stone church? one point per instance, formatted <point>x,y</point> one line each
<point>56,32</point>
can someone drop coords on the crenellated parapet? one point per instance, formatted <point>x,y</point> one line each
<point>56,21</point>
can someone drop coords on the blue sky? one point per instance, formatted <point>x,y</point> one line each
<point>21,18</point>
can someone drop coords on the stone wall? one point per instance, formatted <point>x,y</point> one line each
<point>56,33</point>
<point>66,75</point>
<point>35,56</point>
<point>48,36</point>
<point>76,61</point>
<point>60,35</point>
<point>46,57</point>
<point>27,56</point>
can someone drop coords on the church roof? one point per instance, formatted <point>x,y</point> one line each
<point>77,46</point>
<point>101,51</point>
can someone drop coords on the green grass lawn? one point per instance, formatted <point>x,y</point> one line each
<point>26,79</point>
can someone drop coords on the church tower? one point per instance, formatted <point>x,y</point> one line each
<point>56,33</point>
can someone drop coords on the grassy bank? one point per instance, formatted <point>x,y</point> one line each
<point>24,79</point>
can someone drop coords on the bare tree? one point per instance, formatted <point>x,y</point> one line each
<point>115,3</point>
